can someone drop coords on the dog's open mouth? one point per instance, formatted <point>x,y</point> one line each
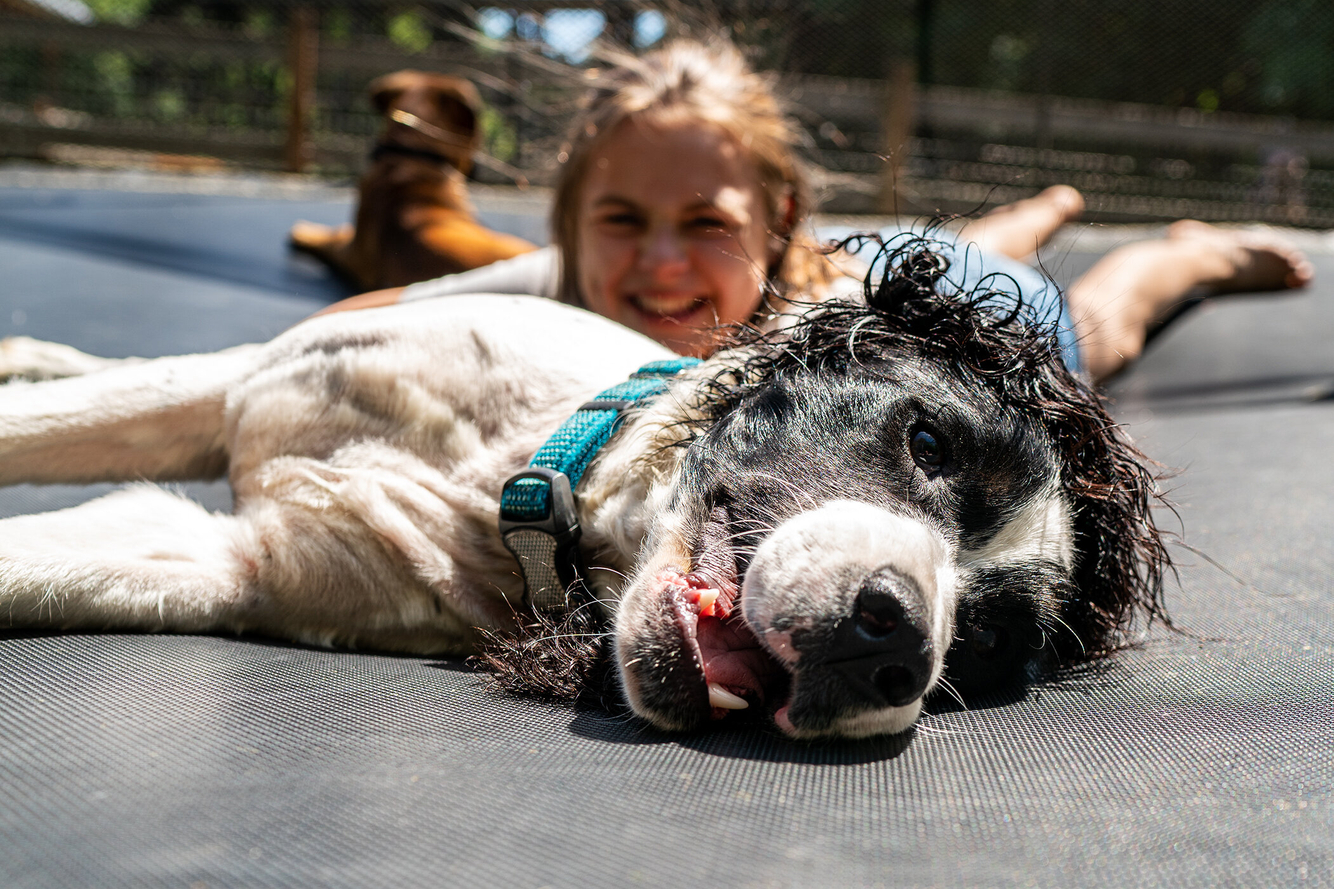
<point>733,665</point>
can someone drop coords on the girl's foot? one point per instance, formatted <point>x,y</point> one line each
<point>1257,260</point>
<point>1136,286</point>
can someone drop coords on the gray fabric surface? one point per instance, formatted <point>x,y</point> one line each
<point>1201,758</point>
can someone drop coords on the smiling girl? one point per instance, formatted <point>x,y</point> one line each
<point>680,209</point>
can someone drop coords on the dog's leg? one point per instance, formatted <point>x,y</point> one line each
<point>24,358</point>
<point>144,559</point>
<point>334,247</point>
<point>138,559</point>
<point>162,419</point>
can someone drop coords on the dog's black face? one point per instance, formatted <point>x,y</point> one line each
<point>884,498</point>
<point>838,542</point>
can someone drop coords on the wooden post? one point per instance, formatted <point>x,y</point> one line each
<point>898,119</point>
<point>303,44</point>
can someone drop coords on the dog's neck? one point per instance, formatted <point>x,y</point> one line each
<point>384,149</point>
<point>631,479</point>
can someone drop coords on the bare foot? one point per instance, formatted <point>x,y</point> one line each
<point>1017,230</point>
<point>1135,286</point>
<point>1258,260</point>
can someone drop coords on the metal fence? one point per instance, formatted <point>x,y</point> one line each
<point>1155,108</point>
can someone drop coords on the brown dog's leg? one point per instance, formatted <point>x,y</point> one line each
<point>333,247</point>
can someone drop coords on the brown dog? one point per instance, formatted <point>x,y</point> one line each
<point>414,220</point>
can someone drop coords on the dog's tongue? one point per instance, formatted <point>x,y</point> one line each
<point>733,659</point>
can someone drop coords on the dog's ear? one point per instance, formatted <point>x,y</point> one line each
<point>385,89</point>
<point>458,111</point>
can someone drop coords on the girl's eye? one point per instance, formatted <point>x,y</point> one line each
<point>708,224</point>
<point>927,450</point>
<point>619,220</point>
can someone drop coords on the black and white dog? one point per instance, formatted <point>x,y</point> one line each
<point>822,524</point>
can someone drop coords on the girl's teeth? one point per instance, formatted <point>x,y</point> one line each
<point>666,306</point>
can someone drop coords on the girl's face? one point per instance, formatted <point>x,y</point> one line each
<point>673,233</point>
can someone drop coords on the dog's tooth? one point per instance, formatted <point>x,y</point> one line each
<point>706,600</point>
<point>724,699</point>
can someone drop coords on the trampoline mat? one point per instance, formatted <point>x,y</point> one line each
<point>1198,758</point>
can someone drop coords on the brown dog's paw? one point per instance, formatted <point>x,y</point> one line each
<point>314,236</point>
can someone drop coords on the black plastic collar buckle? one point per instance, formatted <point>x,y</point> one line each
<point>546,548</point>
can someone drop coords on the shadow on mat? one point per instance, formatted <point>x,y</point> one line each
<point>752,742</point>
<point>763,742</point>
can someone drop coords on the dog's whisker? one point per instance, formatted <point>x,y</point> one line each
<point>1056,618</point>
<point>953,692</point>
<point>790,486</point>
<point>859,444</point>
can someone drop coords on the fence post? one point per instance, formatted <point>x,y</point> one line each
<point>303,46</point>
<point>897,121</point>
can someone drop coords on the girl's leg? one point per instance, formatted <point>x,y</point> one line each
<point>1126,291</point>
<point>1017,230</point>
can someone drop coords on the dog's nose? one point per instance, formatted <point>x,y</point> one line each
<point>883,649</point>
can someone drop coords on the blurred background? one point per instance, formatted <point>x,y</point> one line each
<point>1156,109</point>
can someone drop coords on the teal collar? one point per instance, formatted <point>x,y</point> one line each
<point>538,521</point>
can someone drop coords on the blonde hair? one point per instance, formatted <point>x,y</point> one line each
<point>711,83</point>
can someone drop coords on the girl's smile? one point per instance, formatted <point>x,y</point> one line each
<point>673,237</point>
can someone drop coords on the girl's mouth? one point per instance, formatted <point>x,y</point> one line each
<point>679,308</point>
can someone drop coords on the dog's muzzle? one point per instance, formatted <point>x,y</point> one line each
<point>840,629</point>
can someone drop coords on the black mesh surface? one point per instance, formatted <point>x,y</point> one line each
<point>1201,758</point>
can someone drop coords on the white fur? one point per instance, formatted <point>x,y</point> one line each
<point>1040,531</point>
<point>366,451</point>
<point>811,558</point>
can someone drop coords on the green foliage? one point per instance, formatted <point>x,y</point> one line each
<point>1293,41</point>
<point>119,12</point>
<point>499,138</point>
<point>408,32</point>
<point>259,23</point>
<point>116,76</point>
<point>169,104</point>
<point>1175,52</point>
<point>337,24</point>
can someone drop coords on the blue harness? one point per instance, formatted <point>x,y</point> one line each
<point>538,520</point>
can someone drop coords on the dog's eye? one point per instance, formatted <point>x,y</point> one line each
<point>927,450</point>
<point>988,640</point>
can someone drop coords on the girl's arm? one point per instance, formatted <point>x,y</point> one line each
<point>372,300</point>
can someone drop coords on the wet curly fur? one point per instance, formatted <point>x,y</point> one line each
<point>986,336</point>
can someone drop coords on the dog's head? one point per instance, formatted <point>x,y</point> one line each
<point>427,111</point>
<point>886,497</point>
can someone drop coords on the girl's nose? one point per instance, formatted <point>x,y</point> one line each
<point>663,254</point>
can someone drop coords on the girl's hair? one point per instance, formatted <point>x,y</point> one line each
<point>711,83</point>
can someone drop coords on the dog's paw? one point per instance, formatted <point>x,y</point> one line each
<point>314,236</point>
<point>24,358</point>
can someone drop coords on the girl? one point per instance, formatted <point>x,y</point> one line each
<point>680,209</point>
